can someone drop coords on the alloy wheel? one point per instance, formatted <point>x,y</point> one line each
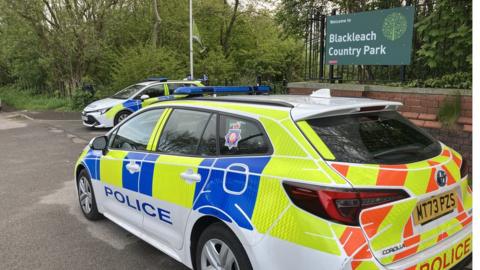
<point>216,255</point>
<point>85,194</point>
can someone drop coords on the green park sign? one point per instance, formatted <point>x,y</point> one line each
<point>382,37</point>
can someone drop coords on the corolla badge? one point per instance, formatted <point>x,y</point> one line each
<point>441,177</point>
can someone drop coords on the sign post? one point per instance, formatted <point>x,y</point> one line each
<point>382,37</point>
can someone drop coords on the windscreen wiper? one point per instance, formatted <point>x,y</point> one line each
<point>398,150</point>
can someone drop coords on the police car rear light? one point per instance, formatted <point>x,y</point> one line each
<point>339,205</point>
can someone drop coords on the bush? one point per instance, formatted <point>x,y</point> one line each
<point>80,99</point>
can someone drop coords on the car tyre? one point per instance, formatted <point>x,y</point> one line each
<point>219,248</point>
<point>120,117</point>
<point>86,196</point>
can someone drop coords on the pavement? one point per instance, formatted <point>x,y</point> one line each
<point>41,224</point>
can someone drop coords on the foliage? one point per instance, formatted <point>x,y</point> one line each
<point>446,37</point>
<point>49,47</point>
<point>80,99</point>
<point>138,63</point>
<point>30,100</point>
<point>442,43</point>
<point>450,110</point>
<point>458,80</point>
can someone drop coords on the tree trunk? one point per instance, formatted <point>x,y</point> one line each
<point>156,25</point>
<point>229,30</point>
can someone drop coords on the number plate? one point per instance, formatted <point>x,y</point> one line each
<point>435,207</point>
<point>84,118</point>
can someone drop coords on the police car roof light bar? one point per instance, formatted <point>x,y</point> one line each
<point>261,89</point>
<point>159,79</point>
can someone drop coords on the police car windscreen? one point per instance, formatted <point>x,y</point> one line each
<point>128,92</point>
<point>375,138</point>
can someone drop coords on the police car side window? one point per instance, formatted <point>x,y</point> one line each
<point>238,136</point>
<point>154,91</point>
<point>182,132</point>
<point>135,133</point>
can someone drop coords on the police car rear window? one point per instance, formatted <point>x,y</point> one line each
<point>375,138</point>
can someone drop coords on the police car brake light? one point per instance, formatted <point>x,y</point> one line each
<point>260,89</point>
<point>339,205</point>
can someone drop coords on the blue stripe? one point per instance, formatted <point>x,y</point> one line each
<point>130,180</point>
<point>146,175</point>
<point>92,161</point>
<point>133,105</point>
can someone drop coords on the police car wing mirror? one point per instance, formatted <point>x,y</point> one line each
<point>99,143</point>
<point>143,97</point>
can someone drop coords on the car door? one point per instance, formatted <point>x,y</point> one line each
<point>120,169</point>
<point>176,173</point>
<point>228,189</point>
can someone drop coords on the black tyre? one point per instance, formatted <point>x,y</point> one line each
<point>86,196</point>
<point>122,115</point>
<point>219,248</point>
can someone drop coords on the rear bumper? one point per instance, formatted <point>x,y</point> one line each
<point>449,254</point>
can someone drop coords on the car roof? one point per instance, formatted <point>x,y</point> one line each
<point>306,107</point>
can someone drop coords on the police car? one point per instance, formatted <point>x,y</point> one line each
<point>281,182</point>
<point>106,113</point>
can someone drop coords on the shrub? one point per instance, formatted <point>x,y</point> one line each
<point>449,111</point>
<point>80,99</point>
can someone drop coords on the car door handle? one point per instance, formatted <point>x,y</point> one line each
<point>132,167</point>
<point>190,176</point>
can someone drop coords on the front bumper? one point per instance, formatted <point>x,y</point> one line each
<point>96,119</point>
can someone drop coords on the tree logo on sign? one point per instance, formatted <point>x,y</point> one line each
<point>394,26</point>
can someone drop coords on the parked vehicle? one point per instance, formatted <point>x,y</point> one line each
<point>281,182</point>
<point>108,112</point>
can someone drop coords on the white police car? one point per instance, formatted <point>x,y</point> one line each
<point>281,182</point>
<point>110,111</point>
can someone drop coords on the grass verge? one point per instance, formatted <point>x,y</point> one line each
<point>27,100</point>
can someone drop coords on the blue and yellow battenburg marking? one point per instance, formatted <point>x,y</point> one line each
<point>233,181</point>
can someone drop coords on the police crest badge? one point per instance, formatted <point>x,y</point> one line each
<point>233,136</point>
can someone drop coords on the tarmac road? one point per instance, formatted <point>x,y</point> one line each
<point>41,224</point>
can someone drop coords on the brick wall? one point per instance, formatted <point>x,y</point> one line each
<point>420,105</point>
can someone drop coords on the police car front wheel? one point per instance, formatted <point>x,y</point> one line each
<point>218,248</point>
<point>121,116</point>
<point>86,197</point>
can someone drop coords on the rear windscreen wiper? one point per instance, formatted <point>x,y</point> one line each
<point>402,149</point>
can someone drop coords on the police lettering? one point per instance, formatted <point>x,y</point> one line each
<point>450,257</point>
<point>144,207</point>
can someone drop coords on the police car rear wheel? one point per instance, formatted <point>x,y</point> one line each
<point>219,249</point>
<point>121,116</point>
<point>86,197</point>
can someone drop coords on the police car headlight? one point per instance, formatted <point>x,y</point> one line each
<point>103,111</point>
